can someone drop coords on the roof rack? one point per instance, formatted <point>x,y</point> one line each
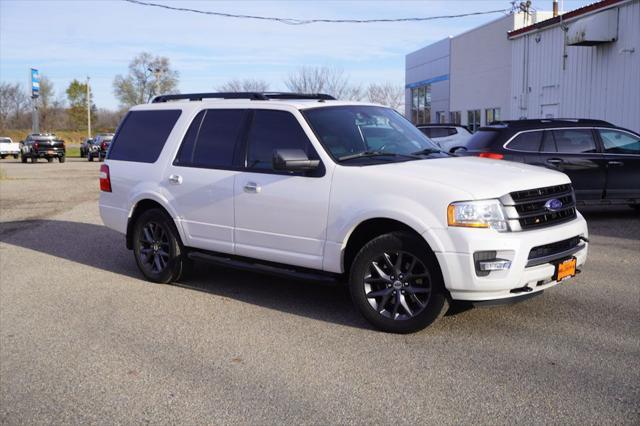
<point>549,120</point>
<point>254,96</point>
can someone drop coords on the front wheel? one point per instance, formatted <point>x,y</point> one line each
<point>157,248</point>
<point>396,283</point>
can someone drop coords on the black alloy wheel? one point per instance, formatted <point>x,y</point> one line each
<point>396,283</point>
<point>157,247</point>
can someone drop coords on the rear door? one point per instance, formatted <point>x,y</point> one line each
<point>201,178</point>
<point>574,151</point>
<point>621,151</point>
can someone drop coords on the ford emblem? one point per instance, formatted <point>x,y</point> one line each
<point>553,205</point>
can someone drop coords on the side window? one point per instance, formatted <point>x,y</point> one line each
<point>271,130</point>
<point>211,139</point>
<point>574,141</point>
<point>185,155</point>
<point>452,131</point>
<point>548,142</point>
<point>616,142</point>
<point>142,135</point>
<point>527,141</point>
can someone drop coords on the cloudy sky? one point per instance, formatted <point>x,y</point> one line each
<point>75,39</point>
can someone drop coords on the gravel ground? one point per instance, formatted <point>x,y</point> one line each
<point>83,339</point>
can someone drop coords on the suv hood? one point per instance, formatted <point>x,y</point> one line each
<point>481,177</point>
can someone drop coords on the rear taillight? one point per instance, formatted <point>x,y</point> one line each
<point>104,145</point>
<point>491,155</point>
<point>36,145</point>
<point>105,179</point>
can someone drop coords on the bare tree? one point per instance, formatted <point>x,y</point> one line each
<point>14,104</point>
<point>332,81</point>
<point>387,93</point>
<point>245,85</point>
<point>46,101</point>
<point>148,76</point>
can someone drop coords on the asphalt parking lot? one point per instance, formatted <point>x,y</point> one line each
<point>83,339</point>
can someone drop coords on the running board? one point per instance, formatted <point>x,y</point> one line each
<point>246,264</point>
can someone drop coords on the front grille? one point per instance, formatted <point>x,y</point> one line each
<point>531,209</point>
<point>554,248</point>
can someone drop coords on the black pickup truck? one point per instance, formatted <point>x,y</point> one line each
<point>42,145</point>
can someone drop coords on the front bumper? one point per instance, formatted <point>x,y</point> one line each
<point>459,270</point>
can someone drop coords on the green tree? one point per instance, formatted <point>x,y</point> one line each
<point>77,112</point>
<point>148,76</point>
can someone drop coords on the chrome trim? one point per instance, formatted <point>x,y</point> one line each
<point>504,146</point>
<point>557,256</point>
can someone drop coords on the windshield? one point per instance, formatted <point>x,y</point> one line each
<point>4,140</point>
<point>347,131</point>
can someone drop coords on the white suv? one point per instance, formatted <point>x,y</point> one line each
<point>311,187</point>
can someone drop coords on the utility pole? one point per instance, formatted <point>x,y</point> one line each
<point>88,109</point>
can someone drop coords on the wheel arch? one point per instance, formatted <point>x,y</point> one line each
<point>139,207</point>
<point>371,228</point>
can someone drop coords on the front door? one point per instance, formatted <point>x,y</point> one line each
<point>621,151</point>
<point>280,217</point>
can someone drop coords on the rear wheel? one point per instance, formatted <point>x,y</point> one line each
<point>395,282</point>
<point>3,156</point>
<point>34,159</point>
<point>49,160</point>
<point>61,159</point>
<point>157,247</point>
<point>90,157</point>
<point>15,156</point>
<point>23,158</point>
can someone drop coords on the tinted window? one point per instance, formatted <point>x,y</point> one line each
<point>185,155</point>
<point>142,135</point>
<point>548,143</point>
<point>527,141</point>
<point>439,132</point>
<point>271,130</point>
<point>211,138</point>
<point>481,140</point>
<point>616,142</point>
<point>574,141</point>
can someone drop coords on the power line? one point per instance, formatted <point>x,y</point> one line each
<point>296,21</point>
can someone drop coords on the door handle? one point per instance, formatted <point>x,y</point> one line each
<point>175,179</point>
<point>252,188</point>
<point>615,163</point>
<point>555,161</point>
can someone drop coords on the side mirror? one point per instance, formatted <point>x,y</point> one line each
<point>456,149</point>
<point>293,160</point>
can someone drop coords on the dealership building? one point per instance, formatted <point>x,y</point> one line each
<point>580,64</point>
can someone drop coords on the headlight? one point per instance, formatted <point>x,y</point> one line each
<point>477,214</point>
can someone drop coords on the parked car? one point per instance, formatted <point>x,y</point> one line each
<point>99,147</point>
<point>84,147</point>
<point>8,147</point>
<point>602,160</point>
<point>42,145</point>
<point>447,136</point>
<point>309,187</point>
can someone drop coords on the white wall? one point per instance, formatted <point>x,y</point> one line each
<point>601,82</point>
<point>425,64</point>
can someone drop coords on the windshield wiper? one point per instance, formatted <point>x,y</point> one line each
<point>428,151</point>
<point>368,154</point>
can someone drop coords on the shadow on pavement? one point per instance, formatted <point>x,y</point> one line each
<point>100,247</point>
<point>612,221</point>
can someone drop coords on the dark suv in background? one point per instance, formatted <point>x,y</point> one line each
<point>42,145</point>
<point>602,160</point>
<point>98,148</point>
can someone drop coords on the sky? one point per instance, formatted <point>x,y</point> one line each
<point>69,40</point>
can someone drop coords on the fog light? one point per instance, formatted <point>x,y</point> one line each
<point>495,265</point>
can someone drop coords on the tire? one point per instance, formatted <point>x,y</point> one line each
<point>49,160</point>
<point>82,154</point>
<point>62,159</point>
<point>100,158</point>
<point>636,207</point>
<point>404,274</point>
<point>154,233</point>
<point>3,156</point>
<point>34,159</point>
<point>23,158</point>
<point>15,156</point>
<point>90,157</point>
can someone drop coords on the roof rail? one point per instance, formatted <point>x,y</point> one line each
<point>254,96</point>
<point>549,120</point>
